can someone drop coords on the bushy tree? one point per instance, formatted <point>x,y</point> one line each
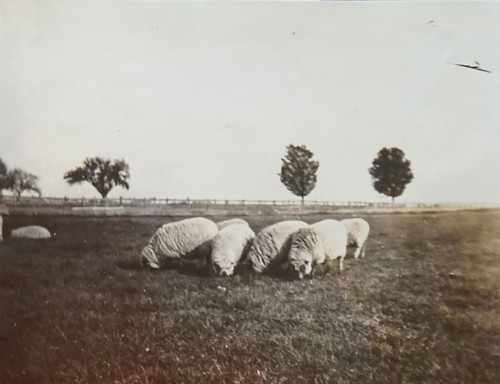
<point>4,177</point>
<point>102,174</point>
<point>391,172</point>
<point>20,181</point>
<point>298,170</point>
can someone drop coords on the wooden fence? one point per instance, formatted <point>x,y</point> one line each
<point>215,203</point>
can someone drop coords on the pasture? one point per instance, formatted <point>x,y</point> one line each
<point>422,307</point>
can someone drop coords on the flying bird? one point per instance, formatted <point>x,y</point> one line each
<point>472,66</point>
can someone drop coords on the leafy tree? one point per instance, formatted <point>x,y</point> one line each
<point>391,172</point>
<point>4,177</point>
<point>298,170</point>
<point>102,174</point>
<point>20,181</point>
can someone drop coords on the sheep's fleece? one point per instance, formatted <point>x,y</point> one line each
<point>225,223</point>
<point>357,234</point>
<point>228,248</point>
<point>270,246</point>
<point>323,241</point>
<point>186,238</point>
<point>31,232</point>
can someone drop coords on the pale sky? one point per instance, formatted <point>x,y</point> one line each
<point>201,98</point>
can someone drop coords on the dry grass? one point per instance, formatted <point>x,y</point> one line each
<point>422,307</point>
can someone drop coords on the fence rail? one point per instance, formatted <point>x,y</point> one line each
<point>25,201</point>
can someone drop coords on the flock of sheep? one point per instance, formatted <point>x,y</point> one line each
<point>293,245</point>
<point>221,247</point>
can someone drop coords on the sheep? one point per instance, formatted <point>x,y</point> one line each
<point>228,247</point>
<point>318,243</point>
<point>186,240</point>
<point>357,233</point>
<point>31,232</point>
<point>270,246</point>
<point>225,223</point>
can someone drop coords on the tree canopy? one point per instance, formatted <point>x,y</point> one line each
<point>298,170</point>
<point>103,174</point>
<point>391,172</point>
<point>20,181</point>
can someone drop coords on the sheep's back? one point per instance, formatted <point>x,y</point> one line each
<point>231,241</point>
<point>182,237</point>
<point>31,232</point>
<point>222,224</point>
<point>272,243</point>
<point>334,237</point>
<point>357,230</point>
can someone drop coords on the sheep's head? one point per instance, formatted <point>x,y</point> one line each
<point>148,257</point>
<point>222,266</point>
<point>303,249</point>
<point>301,262</point>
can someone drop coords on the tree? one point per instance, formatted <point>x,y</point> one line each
<point>4,177</point>
<point>390,172</point>
<point>20,181</point>
<point>298,170</point>
<point>101,173</point>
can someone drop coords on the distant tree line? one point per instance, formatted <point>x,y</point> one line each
<point>390,173</point>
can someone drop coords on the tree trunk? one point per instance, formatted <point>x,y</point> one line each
<point>302,199</point>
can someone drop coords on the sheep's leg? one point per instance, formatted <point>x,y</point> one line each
<point>363,248</point>
<point>357,252</point>
<point>341,264</point>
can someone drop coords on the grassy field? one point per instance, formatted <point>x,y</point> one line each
<point>422,307</point>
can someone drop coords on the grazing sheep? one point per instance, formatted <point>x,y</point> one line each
<point>270,246</point>
<point>357,233</point>
<point>31,232</point>
<point>184,240</point>
<point>225,223</point>
<point>228,247</point>
<point>318,243</point>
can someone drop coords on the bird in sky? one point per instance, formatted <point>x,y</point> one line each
<point>472,66</point>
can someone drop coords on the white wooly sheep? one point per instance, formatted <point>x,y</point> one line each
<point>270,246</point>
<point>318,243</point>
<point>225,223</point>
<point>228,248</point>
<point>31,232</point>
<point>357,233</point>
<point>184,240</point>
